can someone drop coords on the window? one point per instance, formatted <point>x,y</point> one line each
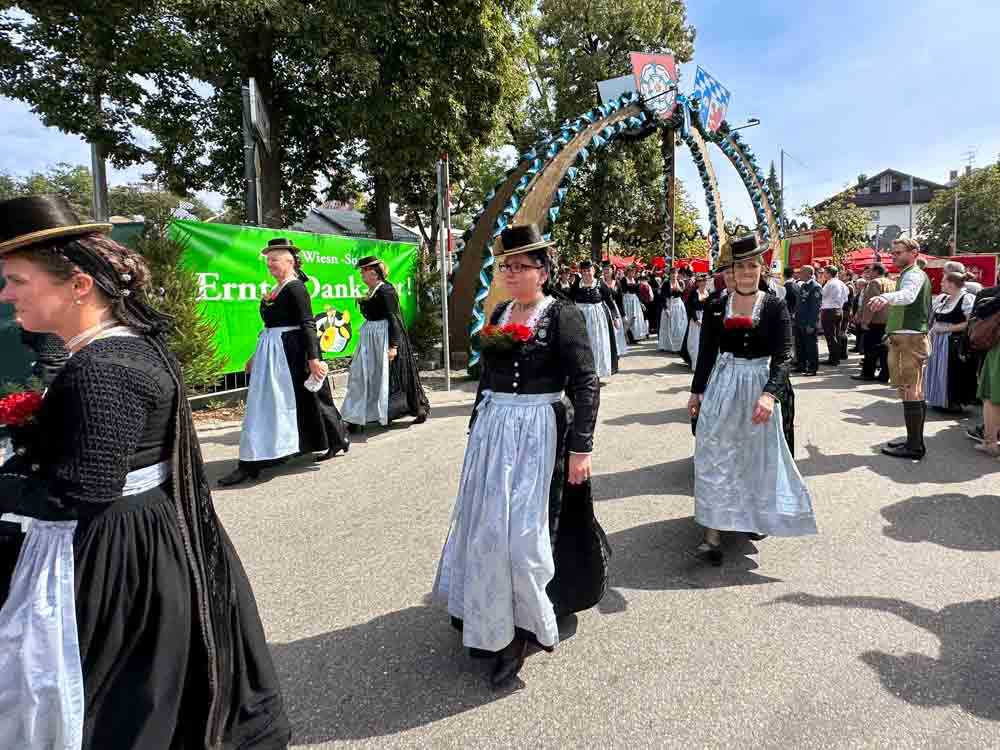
<point>874,215</point>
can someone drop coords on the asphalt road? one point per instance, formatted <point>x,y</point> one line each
<point>881,632</point>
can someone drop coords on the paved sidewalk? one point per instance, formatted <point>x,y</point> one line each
<point>881,632</point>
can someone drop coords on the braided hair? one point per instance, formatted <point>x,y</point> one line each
<point>120,274</point>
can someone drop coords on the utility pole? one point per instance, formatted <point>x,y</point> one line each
<point>911,206</point>
<point>249,161</point>
<point>970,157</point>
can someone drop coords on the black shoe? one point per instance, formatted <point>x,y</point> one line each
<point>976,433</point>
<point>753,537</point>
<point>334,452</point>
<point>239,475</point>
<point>863,378</point>
<point>421,418</point>
<point>509,662</point>
<point>810,373</point>
<point>882,379</point>
<point>354,429</point>
<point>904,451</point>
<point>914,413</point>
<point>831,363</point>
<point>711,552</point>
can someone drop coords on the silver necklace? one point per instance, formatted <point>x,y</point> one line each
<point>85,336</point>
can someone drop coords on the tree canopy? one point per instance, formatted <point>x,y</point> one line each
<point>847,223</point>
<point>978,215</point>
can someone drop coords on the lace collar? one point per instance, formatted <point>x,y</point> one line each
<point>758,305</point>
<point>532,322</point>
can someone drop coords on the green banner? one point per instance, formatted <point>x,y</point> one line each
<point>232,278</point>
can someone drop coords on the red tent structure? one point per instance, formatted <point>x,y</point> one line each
<point>624,261</point>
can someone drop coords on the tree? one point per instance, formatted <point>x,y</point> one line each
<point>192,337</point>
<point>847,223</point>
<point>101,69</point>
<point>978,215</point>
<point>579,44</point>
<point>774,184</point>
<point>74,183</point>
<point>411,104</point>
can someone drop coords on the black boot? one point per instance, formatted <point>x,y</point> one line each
<point>242,473</point>
<point>509,662</point>
<point>332,452</point>
<point>914,413</point>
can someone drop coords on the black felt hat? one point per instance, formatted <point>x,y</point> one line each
<point>368,260</point>
<point>280,243</point>
<point>745,247</point>
<point>522,239</point>
<point>37,219</point>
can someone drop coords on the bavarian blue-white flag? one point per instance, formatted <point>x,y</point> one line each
<point>714,100</point>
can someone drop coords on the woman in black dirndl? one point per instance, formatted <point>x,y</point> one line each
<point>745,477</point>
<point>523,547</point>
<point>290,408</point>
<point>130,623</point>
<point>384,383</point>
<point>594,299</point>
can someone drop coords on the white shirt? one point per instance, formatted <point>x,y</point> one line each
<point>910,285</point>
<point>835,295</point>
<point>973,287</point>
<point>778,288</point>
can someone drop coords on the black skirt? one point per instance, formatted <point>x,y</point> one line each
<point>319,422</point>
<point>143,661</point>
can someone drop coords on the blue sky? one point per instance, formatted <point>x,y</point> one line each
<point>843,86</point>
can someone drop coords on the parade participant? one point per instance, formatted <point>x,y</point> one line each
<point>745,474</point>
<point>807,318</point>
<point>835,296</point>
<point>674,319</point>
<point>635,316</point>
<point>565,280</point>
<point>951,375</point>
<point>523,547</point>
<point>696,303</point>
<point>608,274</point>
<point>601,314</point>
<point>908,345</point>
<point>876,353</point>
<point>384,383</point>
<point>290,408</point>
<point>130,623</point>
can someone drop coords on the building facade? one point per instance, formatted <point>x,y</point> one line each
<point>887,198</point>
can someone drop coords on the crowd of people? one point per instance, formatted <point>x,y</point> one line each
<point>126,591</point>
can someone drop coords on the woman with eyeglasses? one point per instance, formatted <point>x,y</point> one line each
<point>746,479</point>
<point>384,383</point>
<point>523,547</point>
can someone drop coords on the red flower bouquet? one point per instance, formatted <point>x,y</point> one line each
<point>737,323</point>
<point>18,409</point>
<point>504,337</point>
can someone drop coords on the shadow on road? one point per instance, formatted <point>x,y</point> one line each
<point>659,557</point>
<point>677,475</point>
<point>398,671</point>
<point>955,521</point>
<point>652,419</point>
<point>965,673</point>
<point>950,459</point>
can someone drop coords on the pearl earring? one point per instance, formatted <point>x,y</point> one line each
<point>79,301</point>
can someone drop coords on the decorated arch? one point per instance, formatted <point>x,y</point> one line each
<point>534,189</point>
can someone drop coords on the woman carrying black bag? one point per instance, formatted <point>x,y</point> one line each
<point>523,547</point>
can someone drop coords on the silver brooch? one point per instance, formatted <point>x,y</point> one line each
<point>126,277</point>
<point>542,333</point>
<point>126,292</point>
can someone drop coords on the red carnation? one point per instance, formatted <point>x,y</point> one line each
<point>737,322</point>
<point>18,409</point>
<point>490,330</point>
<point>518,332</point>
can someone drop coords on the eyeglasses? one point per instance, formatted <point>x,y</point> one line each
<point>515,268</point>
